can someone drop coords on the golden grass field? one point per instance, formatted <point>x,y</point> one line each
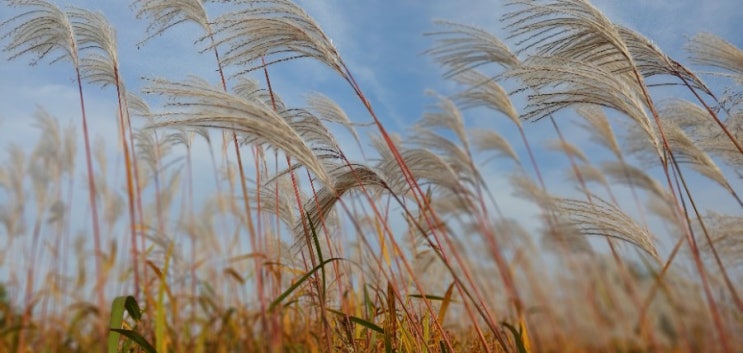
<point>402,244</point>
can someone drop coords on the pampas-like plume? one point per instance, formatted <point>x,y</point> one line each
<point>328,110</point>
<point>589,173</point>
<point>686,151</point>
<point>93,31</point>
<point>599,128</point>
<point>447,116</point>
<point>728,233</point>
<point>346,178</point>
<point>278,30</point>
<point>164,14</point>
<point>626,174</point>
<point>249,89</point>
<point>490,140</point>
<point>571,29</point>
<point>562,83</point>
<point>708,49</point>
<point>280,202</point>
<point>651,61</point>
<point>602,218</point>
<point>12,175</point>
<point>313,132</point>
<point>424,165</point>
<point>484,91</point>
<point>461,48</point>
<point>696,121</point>
<point>196,103</point>
<point>44,30</point>
<point>567,148</point>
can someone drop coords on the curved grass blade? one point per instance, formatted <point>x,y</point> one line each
<point>357,320</point>
<point>136,338</point>
<point>517,336</point>
<point>301,280</point>
<point>118,306</point>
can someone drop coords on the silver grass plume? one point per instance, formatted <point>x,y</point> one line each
<point>460,48</point>
<point>561,83</point>
<point>589,173</point>
<point>598,126</point>
<point>568,149</point>
<point>710,50</point>
<point>164,14</point>
<point>686,151</point>
<point>696,122</point>
<point>313,132</point>
<point>277,30</point>
<point>626,174</point>
<point>97,37</point>
<point>12,176</point>
<point>346,178</point>
<point>727,233</point>
<point>44,30</point>
<point>249,89</point>
<point>427,166</point>
<point>328,110</point>
<point>277,197</point>
<point>483,91</point>
<point>604,219</point>
<point>651,61</point>
<point>490,140</point>
<point>570,29</point>
<point>196,103</point>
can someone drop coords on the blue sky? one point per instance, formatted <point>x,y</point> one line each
<point>380,40</point>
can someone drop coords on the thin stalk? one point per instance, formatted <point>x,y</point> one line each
<point>689,235</point>
<point>93,209</point>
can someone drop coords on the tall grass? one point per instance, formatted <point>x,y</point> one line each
<point>413,246</point>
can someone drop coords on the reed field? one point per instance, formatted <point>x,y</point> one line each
<point>572,189</point>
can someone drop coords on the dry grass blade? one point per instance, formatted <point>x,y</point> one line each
<point>196,103</point>
<point>460,48</point>
<point>484,91</point>
<point>602,218</point>
<point>711,50</point>
<point>277,30</point>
